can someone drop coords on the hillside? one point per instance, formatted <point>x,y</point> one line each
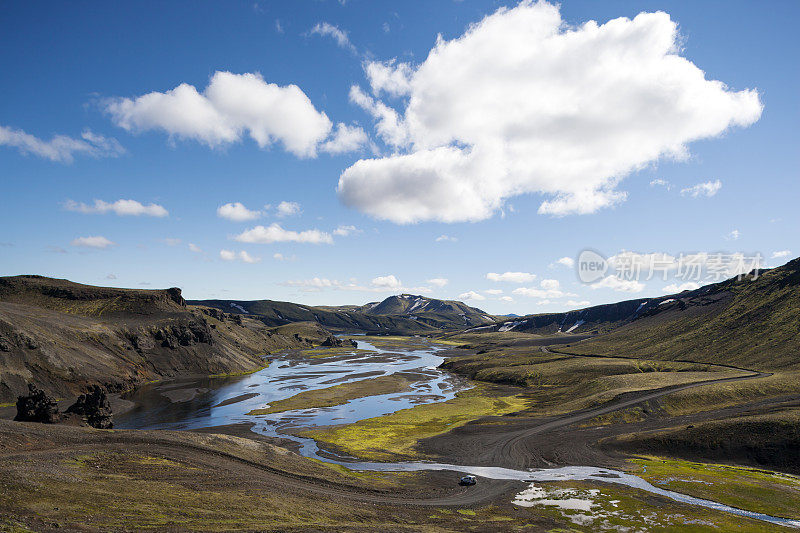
<point>63,336</point>
<point>749,323</point>
<point>396,314</point>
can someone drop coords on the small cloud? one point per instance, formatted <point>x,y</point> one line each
<point>120,208</point>
<point>326,29</point>
<point>61,148</point>
<point>279,26</point>
<point>471,295</point>
<point>548,288</point>
<point>275,233</point>
<point>620,285</point>
<point>171,241</point>
<point>237,212</point>
<point>511,277</point>
<point>446,238</point>
<point>507,299</point>
<point>111,276</point>
<point>194,248</point>
<point>674,287</point>
<point>732,236</point>
<point>438,282</point>
<point>281,257</point>
<point>566,261</point>
<point>56,250</point>
<point>229,255</point>
<point>707,189</point>
<point>386,28</point>
<point>98,242</point>
<point>344,231</point>
<point>781,253</point>
<point>578,303</point>
<point>286,209</point>
<point>387,282</point>
<point>658,182</point>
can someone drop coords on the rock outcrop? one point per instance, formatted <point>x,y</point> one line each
<point>94,408</point>
<point>37,406</point>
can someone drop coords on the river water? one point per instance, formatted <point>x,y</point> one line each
<point>208,402</point>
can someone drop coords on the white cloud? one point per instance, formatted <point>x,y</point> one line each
<point>674,287</point>
<point>507,298</point>
<point>275,233</point>
<point>327,29</point>
<point>195,249</point>
<point>438,282</point>
<point>550,284</point>
<point>471,295</point>
<point>707,189</point>
<point>345,139</point>
<point>619,285</point>
<point>237,212</point>
<point>733,235</point>
<point>344,231</point>
<point>511,277</point>
<point>390,77</point>
<point>229,255</point>
<point>389,282</point>
<point>171,241</point>
<point>495,113</point>
<point>578,303</point>
<point>111,276</point>
<point>658,182</point>
<point>567,262</point>
<point>61,148</point>
<point>247,258</point>
<point>231,106</point>
<point>120,207</point>
<point>781,253</point>
<point>446,238</point>
<point>548,288</point>
<point>92,242</point>
<point>286,209</point>
<point>494,292</point>
<point>281,257</point>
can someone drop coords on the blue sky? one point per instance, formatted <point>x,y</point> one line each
<point>510,194</point>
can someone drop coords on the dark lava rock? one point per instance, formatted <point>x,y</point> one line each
<point>332,341</point>
<point>353,343</point>
<point>175,295</point>
<point>37,407</point>
<point>94,408</point>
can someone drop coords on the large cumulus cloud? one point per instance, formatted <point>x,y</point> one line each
<point>522,103</point>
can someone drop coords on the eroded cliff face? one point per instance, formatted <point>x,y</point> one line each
<point>64,336</point>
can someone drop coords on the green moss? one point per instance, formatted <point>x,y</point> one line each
<point>390,436</point>
<point>762,491</point>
